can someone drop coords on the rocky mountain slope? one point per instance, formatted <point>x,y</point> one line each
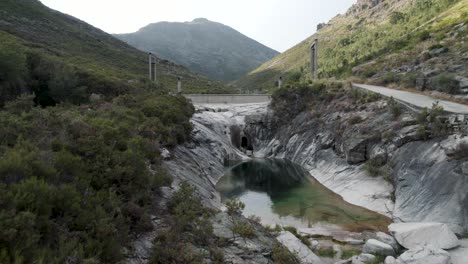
<point>407,43</point>
<point>203,46</point>
<point>104,64</point>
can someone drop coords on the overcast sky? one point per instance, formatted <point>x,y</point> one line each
<point>279,24</point>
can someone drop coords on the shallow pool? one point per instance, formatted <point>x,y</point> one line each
<point>281,192</point>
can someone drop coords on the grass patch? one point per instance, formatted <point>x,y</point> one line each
<point>348,253</point>
<point>326,252</point>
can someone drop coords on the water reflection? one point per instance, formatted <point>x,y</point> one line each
<point>281,192</point>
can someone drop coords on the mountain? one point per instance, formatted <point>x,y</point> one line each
<point>203,46</point>
<point>104,64</point>
<point>386,41</point>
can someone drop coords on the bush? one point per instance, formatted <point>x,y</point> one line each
<point>191,227</point>
<point>373,168</point>
<point>394,108</point>
<point>348,253</point>
<point>244,229</point>
<point>447,83</point>
<point>281,255</point>
<point>355,120</point>
<point>80,186</point>
<point>326,252</point>
<point>235,207</point>
<point>396,17</point>
<point>424,35</point>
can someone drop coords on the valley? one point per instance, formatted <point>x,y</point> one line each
<point>231,152</point>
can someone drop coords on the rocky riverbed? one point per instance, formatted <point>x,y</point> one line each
<point>426,181</point>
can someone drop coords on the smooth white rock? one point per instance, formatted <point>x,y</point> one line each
<point>376,247</point>
<point>424,255</point>
<point>460,254</point>
<point>411,235</point>
<point>387,239</point>
<point>390,260</point>
<point>294,245</point>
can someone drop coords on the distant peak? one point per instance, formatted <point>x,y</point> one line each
<point>200,20</point>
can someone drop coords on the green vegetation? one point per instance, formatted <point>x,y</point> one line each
<point>75,181</point>
<point>378,259</point>
<point>430,122</point>
<point>348,253</point>
<point>296,98</point>
<point>192,44</point>
<point>446,83</point>
<point>235,207</point>
<point>373,168</point>
<point>326,252</point>
<point>394,108</point>
<point>243,229</point>
<point>281,255</point>
<point>60,58</point>
<point>366,40</point>
<point>190,227</point>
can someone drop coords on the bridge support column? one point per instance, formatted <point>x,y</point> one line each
<point>152,67</point>
<point>314,60</point>
<point>179,85</point>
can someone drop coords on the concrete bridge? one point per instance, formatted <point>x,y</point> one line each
<point>228,98</point>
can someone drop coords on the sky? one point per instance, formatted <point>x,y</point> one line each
<point>279,24</point>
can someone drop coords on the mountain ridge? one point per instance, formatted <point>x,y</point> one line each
<point>206,47</point>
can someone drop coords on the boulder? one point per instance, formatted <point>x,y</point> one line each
<point>294,245</point>
<point>378,154</point>
<point>464,167</point>
<point>362,259</point>
<point>376,247</point>
<point>165,154</point>
<point>424,255</point>
<point>355,150</point>
<point>390,260</point>
<point>411,235</point>
<point>460,254</point>
<point>436,52</point>
<point>387,239</point>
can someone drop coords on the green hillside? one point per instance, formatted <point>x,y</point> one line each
<point>102,63</point>
<point>383,34</point>
<point>80,174</point>
<point>206,47</point>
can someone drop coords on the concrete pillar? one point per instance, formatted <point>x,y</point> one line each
<point>280,82</point>
<point>179,85</point>
<point>152,67</point>
<point>314,59</point>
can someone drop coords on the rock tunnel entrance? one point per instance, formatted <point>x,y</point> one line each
<point>241,140</point>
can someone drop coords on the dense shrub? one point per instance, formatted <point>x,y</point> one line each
<point>394,108</point>
<point>446,83</point>
<point>290,101</point>
<point>281,255</point>
<point>191,227</point>
<point>12,70</point>
<point>373,168</point>
<point>79,186</point>
<point>396,17</point>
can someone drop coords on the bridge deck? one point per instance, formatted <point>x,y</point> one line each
<point>228,98</point>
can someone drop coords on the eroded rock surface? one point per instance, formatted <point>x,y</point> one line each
<point>412,235</point>
<point>303,253</point>
<point>424,255</point>
<point>376,247</point>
